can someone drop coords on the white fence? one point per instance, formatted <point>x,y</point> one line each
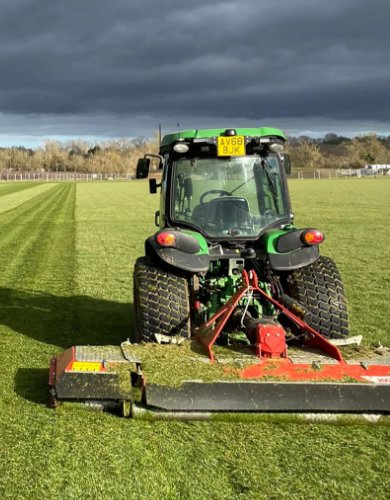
<point>332,173</point>
<point>78,176</point>
<point>61,176</point>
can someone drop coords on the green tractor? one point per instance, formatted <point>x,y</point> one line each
<point>227,265</point>
<point>225,209</point>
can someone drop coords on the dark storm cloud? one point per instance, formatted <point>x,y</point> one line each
<point>225,59</point>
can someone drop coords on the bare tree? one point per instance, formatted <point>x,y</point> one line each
<point>306,154</point>
<point>55,156</point>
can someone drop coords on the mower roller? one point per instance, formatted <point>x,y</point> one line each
<point>229,270</point>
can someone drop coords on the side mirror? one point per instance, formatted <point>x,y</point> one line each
<point>286,163</point>
<point>142,171</point>
<point>153,185</point>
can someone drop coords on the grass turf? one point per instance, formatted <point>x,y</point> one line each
<point>67,253</point>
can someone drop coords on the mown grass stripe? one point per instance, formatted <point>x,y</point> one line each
<point>37,258</point>
<point>16,187</point>
<point>110,228</point>
<point>17,198</point>
<point>26,230</point>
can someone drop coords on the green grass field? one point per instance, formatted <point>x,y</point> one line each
<point>67,253</point>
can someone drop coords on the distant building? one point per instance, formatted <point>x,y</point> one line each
<point>377,168</point>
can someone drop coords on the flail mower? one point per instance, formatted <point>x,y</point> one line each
<point>229,274</point>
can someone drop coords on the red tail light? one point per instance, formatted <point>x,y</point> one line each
<point>166,239</point>
<point>312,237</point>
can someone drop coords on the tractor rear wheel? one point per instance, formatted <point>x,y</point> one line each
<point>318,287</point>
<point>161,302</point>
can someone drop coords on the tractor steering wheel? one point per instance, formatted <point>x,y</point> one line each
<point>221,192</point>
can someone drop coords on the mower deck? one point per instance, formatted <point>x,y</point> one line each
<point>307,382</point>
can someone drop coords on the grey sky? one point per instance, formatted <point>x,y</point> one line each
<point>97,69</point>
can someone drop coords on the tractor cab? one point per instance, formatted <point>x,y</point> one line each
<point>225,184</point>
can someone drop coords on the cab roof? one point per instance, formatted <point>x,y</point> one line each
<point>208,133</point>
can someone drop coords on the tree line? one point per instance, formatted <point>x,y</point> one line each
<point>333,151</point>
<point>106,158</point>
<point>120,156</point>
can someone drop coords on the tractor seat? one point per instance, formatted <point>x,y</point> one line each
<point>223,213</point>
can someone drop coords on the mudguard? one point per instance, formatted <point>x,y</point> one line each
<point>294,260</point>
<point>286,250</point>
<point>188,254</point>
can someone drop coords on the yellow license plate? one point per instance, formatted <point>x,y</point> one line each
<point>86,366</point>
<point>231,146</point>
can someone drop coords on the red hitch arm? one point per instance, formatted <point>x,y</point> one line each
<point>207,334</point>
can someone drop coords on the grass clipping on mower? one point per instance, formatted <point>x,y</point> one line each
<point>171,364</point>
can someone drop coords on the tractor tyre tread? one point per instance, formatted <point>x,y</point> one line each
<point>319,288</point>
<point>161,301</point>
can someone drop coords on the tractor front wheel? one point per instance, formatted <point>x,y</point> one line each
<point>161,302</point>
<point>318,287</point>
